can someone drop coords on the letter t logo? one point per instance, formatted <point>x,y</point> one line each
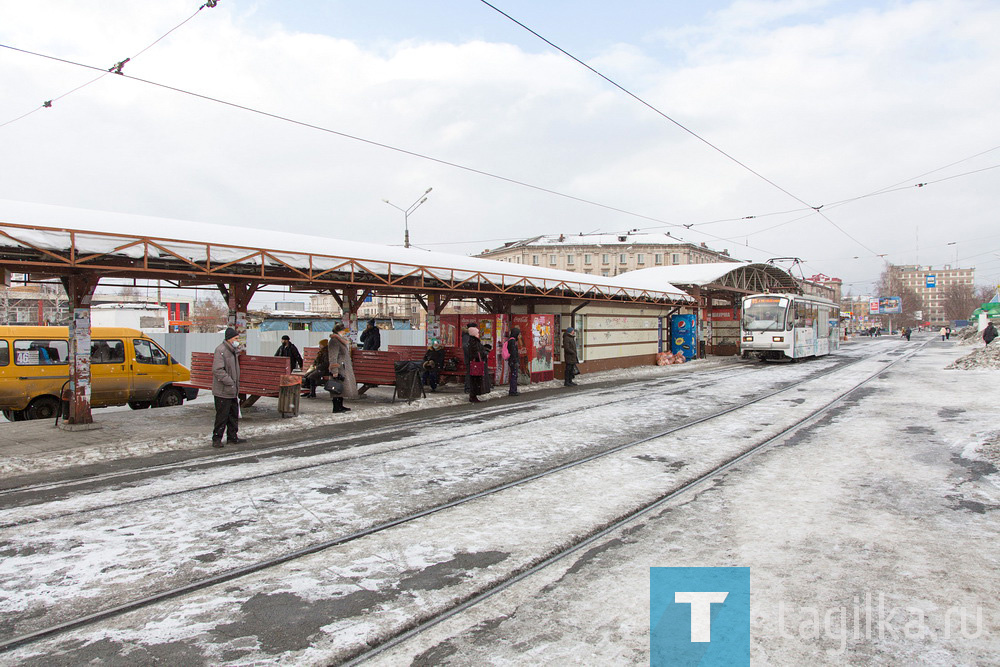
<point>701,612</point>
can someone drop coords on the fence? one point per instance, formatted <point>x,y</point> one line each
<point>181,345</point>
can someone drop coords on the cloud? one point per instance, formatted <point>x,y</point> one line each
<point>827,103</point>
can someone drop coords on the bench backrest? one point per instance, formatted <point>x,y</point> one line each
<point>375,367</point>
<point>259,375</point>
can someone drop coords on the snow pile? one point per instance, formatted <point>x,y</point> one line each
<point>987,356</point>
<point>969,335</point>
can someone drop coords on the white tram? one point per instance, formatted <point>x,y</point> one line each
<point>788,326</point>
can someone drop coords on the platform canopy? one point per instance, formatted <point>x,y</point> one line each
<point>741,277</point>
<point>55,241</point>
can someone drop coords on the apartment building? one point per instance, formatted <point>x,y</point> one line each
<point>931,285</point>
<point>605,254</point>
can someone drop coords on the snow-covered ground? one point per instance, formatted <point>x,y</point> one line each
<point>824,517</point>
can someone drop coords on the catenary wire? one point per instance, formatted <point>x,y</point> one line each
<point>370,142</point>
<point>48,103</point>
<point>686,129</point>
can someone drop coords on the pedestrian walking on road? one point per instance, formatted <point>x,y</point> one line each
<point>512,354</point>
<point>989,333</point>
<point>943,333</point>
<point>947,333</point>
<point>371,339</point>
<point>570,357</point>
<point>289,350</point>
<point>342,368</point>
<point>226,389</point>
<point>477,357</point>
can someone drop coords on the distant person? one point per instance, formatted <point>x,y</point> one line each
<point>943,333</point>
<point>476,353</point>
<point>371,339</point>
<point>288,349</point>
<point>570,356</point>
<point>226,389</point>
<point>906,333</point>
<point>433,364</point>
<point>989,333</point>
<point>512,354</point>
<point>320,368</point>
<point>947,333</point>
<point>341,367</point>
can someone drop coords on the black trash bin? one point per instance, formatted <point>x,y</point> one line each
<point>408,384</point>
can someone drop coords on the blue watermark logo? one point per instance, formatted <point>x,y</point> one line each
<point>699,616</point>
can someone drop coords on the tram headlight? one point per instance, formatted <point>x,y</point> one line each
<point>778,339</point>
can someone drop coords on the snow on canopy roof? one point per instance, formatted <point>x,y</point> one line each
<point>699,274</point>
<point>297,250</point>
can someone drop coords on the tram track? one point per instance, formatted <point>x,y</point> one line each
<point>284,449</point>
<point>351,440</point>
<point>266,564</point>
<point>620,523</point>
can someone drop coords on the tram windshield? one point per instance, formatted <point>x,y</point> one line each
<point>764,313</point>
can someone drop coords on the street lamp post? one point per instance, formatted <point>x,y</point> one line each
<point>406,214</point>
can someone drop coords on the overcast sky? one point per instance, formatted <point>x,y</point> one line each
<point>821,102</point>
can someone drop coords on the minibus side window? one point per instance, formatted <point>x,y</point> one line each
<point>4,353</point>
<point>40,352</point>
<point>148,353</point>
<point>107,352</point>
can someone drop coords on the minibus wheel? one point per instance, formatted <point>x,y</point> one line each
<point>43,407</point>
<point>139,405</point>
<point>170,397</point>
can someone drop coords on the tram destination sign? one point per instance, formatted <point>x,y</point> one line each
<point>885,305</point>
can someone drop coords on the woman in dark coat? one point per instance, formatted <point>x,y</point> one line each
<point>476,353</point>
<point>371,339</point>
<point>319,369</point>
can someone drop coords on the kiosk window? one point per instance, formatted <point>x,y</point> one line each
<point>148,353</point>
<point>40,352</point>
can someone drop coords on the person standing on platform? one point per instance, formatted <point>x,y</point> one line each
<point>371,339</point>
<point>465,354</point>
<point>341,367</point>
<point>570,356</point>
<point>476,353</point>
<point>513,356</point>
<point>226,389</point>
<point>289,350</point>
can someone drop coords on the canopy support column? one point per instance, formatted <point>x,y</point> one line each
<point>238,296</point>
<point>80,291</point>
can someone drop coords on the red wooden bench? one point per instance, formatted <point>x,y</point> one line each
<point>259,375</point>
<point>416,353</point>
<point>372,368</point>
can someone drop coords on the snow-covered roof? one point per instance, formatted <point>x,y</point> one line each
<point>128,306</point>
<point>219,244</point>
<point>706,274</point>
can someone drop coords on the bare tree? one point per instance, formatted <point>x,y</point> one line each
<point>130,293</point>
<point>959,301</point>
<point>890,283</point>
<point>984,293</point>
<point>209,315</point>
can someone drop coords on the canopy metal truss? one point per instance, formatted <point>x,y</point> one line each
<point>60,252</point>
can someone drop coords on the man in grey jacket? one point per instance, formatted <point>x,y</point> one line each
<point>225,389</point>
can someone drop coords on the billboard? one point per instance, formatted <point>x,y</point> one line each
<point>885,305</point>
<point>931,280</point>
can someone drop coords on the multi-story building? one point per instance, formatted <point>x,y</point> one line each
<point>605,254</point>
<point>931,286</point>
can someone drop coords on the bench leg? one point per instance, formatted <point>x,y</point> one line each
<point>364,388</point>
<point>248,401</point>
